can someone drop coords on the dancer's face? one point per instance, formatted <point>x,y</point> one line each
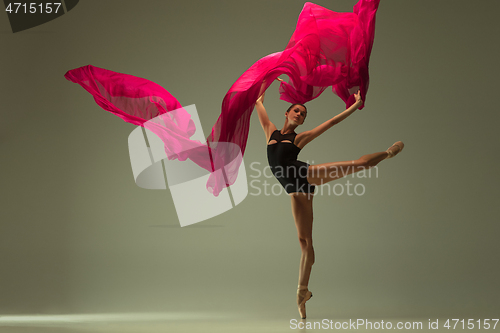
<point>297,114</point>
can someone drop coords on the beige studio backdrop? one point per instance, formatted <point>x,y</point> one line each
<point>77,235</point>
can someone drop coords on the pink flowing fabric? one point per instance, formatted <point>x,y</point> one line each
<point>326,49</point>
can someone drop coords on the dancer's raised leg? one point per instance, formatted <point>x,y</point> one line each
<point>323,173</point>
<point>303,215</point>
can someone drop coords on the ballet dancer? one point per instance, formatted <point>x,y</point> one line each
<point>299,178</point>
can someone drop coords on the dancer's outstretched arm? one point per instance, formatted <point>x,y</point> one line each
<point>317,131</point>
<point>266,124</point>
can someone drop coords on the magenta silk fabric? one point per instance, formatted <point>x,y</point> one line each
<point>326,49</point>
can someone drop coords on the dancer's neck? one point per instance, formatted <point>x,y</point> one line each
<point>288,128</point>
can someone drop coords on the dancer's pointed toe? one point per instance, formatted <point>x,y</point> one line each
<point>395,149</point>
<point>303,295</point>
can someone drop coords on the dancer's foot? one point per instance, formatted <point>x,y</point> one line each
<point>395,149</point>
<point>303,295</point>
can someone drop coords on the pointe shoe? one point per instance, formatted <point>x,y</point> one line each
<point>395,149</point>
<point>305,294</point>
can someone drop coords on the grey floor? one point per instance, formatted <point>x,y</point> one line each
<point>213,322</point>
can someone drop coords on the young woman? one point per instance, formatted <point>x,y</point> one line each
<point>299,178</point>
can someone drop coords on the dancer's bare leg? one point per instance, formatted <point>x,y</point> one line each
<point>323,173</point>
<point>303,215</point>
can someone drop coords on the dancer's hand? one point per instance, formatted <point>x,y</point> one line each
<point>261,98</point>
<point>358,98</point>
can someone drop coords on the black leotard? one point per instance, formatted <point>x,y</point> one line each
<point>282,157</point>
